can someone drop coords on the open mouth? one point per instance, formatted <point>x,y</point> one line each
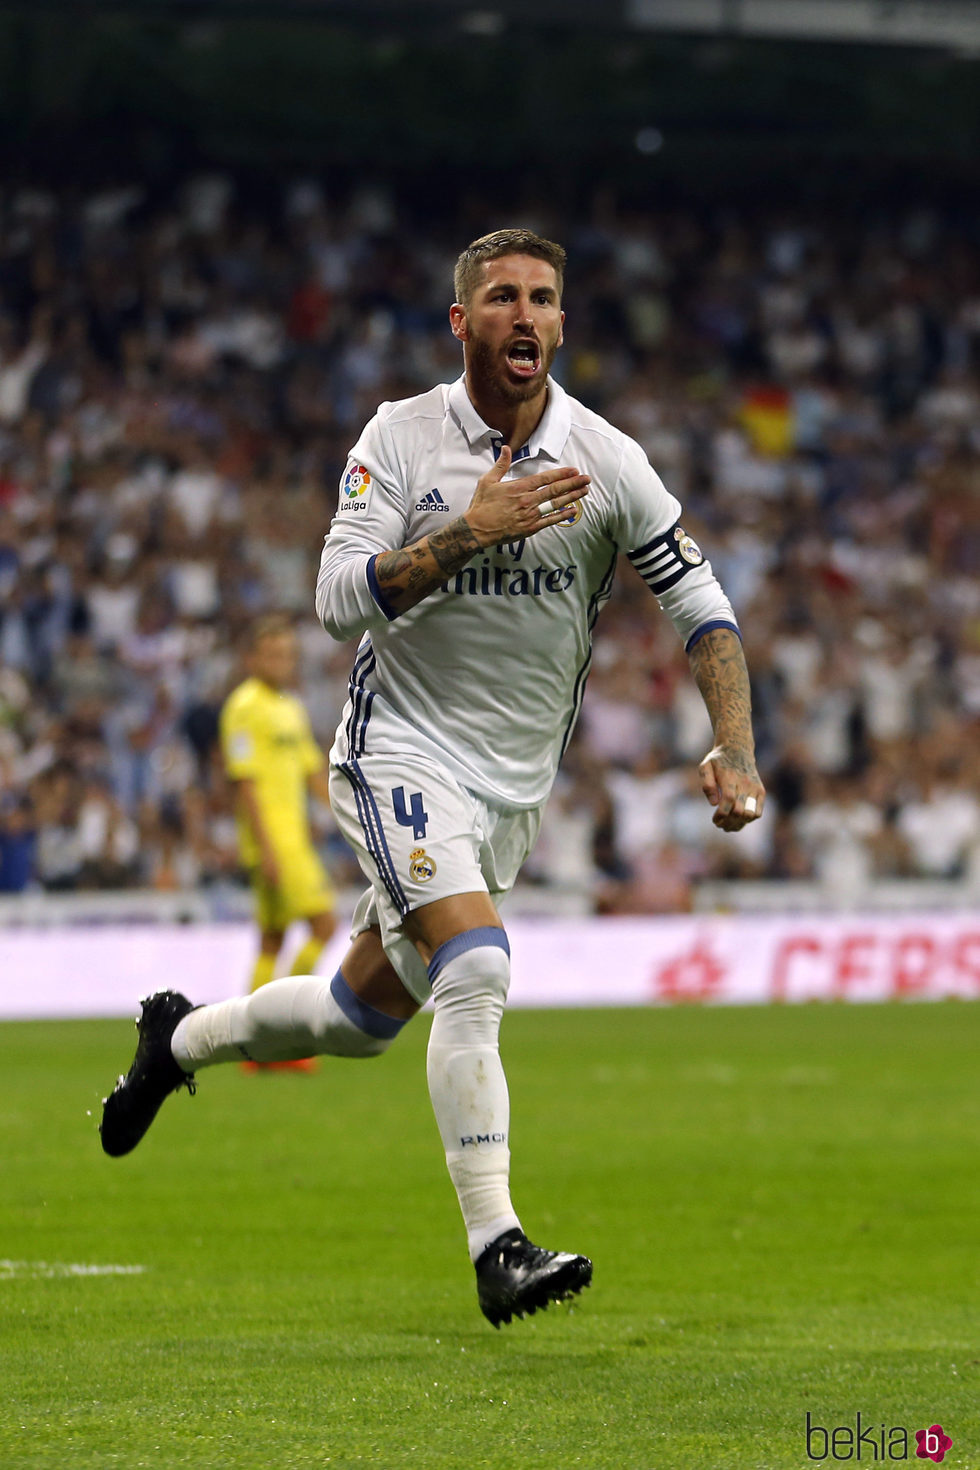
<point>523,357</point>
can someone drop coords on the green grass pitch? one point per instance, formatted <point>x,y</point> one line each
<point>782,1207</point>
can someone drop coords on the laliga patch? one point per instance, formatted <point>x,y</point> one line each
<point>420,866</point>
<point>357,483</point>
<point>688,548</point>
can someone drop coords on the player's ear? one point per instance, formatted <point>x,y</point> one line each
<point>457,320</point>
<point>561,328</point>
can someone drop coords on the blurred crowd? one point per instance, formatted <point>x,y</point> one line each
<point>180,383</point>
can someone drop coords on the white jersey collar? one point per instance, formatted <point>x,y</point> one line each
<point>550,436</point>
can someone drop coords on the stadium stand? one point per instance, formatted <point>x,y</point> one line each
<point>181,378</point>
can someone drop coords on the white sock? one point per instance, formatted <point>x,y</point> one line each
<point>300,1016</point>
<point>470,975</point>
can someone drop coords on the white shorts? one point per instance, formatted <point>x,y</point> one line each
<point>419,837</point>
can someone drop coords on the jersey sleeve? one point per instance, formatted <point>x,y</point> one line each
<point>666,557</point>
<point>239,747</point>
<point>371,518</point>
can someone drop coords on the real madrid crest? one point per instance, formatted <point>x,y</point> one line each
<point>420,866</point>
<point>687,547</point>
<point>575,514</point>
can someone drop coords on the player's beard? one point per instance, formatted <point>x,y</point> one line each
<point>489,372</point>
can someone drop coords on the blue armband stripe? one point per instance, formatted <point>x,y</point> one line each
<point>699,633</point>
<point>376,592</point>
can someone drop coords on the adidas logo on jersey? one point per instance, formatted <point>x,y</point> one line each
<point>432,501</point>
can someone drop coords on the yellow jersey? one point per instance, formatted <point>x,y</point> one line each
<point>266,738</point>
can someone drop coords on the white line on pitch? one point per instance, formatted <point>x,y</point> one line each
<point>35,1270</point>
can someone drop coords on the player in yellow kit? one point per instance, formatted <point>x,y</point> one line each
<point>274,762</point>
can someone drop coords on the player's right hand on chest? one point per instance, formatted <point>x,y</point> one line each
<point>503,510</point>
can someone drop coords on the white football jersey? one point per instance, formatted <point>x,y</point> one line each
<point>485,676</point>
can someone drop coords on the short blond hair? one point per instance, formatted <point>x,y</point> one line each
<point>270,625</point>
<point>466,276</point>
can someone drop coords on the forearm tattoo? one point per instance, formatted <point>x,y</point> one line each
<point>453,547</point>
<point>718,666</point>
<point>410,573</point>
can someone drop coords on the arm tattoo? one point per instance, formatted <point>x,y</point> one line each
<point>453,547</point>
<point>718,666</point>
<point>390,566</point>
<point>410,573</point>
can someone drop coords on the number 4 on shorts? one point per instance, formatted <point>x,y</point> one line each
<point>415,816</point>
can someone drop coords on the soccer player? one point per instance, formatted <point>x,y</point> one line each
<point>273,760</point>
<point>473,548</point>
